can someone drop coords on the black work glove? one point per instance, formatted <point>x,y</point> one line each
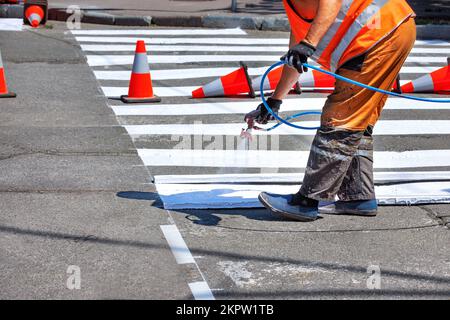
<point>298,55</point>
<point>261,115</point>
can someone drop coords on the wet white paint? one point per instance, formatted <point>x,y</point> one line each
<point>7,24</point>
<point>383,128</point>
<point>283,159</point>
<point>217,196</point>
<point>176,74</point>
<point>289,104</point>
<point>280,178</point>
<point>110,60</point>
<point>161,32</point>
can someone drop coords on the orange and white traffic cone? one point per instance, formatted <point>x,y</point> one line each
<point>311,80</point>
<point>435,82</point>
<point>271,81</point>
<point>316,80</point>
<point>235,83</point>
<point>140,89</point>
<point>35,14</point>
<point>4,93</point>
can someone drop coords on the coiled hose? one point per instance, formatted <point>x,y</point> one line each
<point>298,115</point>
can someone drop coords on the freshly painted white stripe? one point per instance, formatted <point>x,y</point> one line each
<point>431,50</point>
<point>201,291</point>
<point>108,60</point>
<point>296,178</point>
<point>171,48</point>
<point>426,60</point>
<point>217,196</point>
<point>222,41</point>
<point>195,73</point>
<point>168,74</point>
<point>417,70</point>
<point>282,159</point>
<point>114,92</point>
<point>292,104</point>
<point>161,32</point>
<point>237,48</point>
<point>7,24</point>
<point>177,245</point>
<point>384,127</point>
<point>111,60</point>
<point>432,43</point>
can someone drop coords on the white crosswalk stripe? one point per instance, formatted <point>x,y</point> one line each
<point>178,57</point>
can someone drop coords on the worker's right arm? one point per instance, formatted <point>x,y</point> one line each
<point>289,77</point>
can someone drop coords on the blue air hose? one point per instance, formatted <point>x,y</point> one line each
<point>298,115</point>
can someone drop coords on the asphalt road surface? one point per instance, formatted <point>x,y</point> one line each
<point>77,171</point>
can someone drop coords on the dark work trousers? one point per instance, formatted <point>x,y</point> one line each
<point>340,163</point>
<point>341,159</point>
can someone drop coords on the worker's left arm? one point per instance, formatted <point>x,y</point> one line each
<point>326,14</point>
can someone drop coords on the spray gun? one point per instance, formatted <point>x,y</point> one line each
<point>250,120</point>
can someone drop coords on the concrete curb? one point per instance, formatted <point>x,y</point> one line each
<point>11,11</point>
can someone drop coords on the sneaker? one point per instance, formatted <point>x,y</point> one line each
<point>283,206</point>
<point>366,208</point>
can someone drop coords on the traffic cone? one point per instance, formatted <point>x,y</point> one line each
<point>316,80</point>
<point>4,93</point>
<point>312,79</point>
<point>140,89</point>
<point>34,14</point>
<point>235,83</point>
<point>271,81</point>
<point>435,82</point>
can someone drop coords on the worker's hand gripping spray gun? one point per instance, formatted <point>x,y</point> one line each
<point>251,118</point>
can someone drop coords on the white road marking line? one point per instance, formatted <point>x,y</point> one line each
<point>161,32</point>
<point>111,60</point>
<point>222,41</point>
<point>181,48</point>
<point>8,24</point>
<point>185,40</point>
<point>427,59</point>
<point>432,43</point>
<point>114,92</point>
<point>201,291</point>
<point>217,48</point>
<point>289,104</point>
<point>175,74</point>
<point>295,178</point>
<point>417,70</point>
<point>282,159</point>
<point>177,245</point>
<point>217,196</point>
<point>195,73</point>
<point>180,250</point>
<point>431,50</point>
<point>383,128</point>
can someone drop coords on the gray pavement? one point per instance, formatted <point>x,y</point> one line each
<point>64,159</point>
<point>74,192</point>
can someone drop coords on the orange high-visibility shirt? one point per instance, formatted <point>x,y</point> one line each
<point>359,26</point>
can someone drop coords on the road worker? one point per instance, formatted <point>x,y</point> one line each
<point>364,40</point>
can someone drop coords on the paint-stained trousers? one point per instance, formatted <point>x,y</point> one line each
<point>341,157</point>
